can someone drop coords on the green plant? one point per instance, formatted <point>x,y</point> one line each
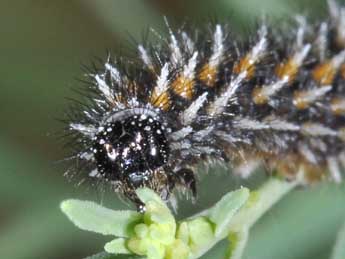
<point>156,234</point>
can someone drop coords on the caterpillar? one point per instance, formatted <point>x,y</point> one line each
<point>276,100</point>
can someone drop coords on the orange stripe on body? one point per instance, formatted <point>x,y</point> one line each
<point>184,87</point>
<point>208,75</point>
<point>161,100</point>
<point>246,64</point>
<point>288,69</point>
<point>324,73</point>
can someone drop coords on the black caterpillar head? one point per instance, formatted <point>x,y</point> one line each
<point>130,147</point>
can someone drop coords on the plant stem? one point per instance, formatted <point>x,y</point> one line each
<point>260,202</point>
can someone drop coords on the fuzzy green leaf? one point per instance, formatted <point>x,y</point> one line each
<point>93,217</point>
<point>117,246</point>
<point>221,213</point>
<point>146,195</point>
<point>219,216</point>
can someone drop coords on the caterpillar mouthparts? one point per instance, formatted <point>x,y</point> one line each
<point>277,101</point>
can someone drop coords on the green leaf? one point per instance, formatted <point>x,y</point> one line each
<point>220,216</point>
<point>222,213</point>
<point>93,217</point>
<point>146,195</point>
<point>117,246</point>
<point>156,209</point>
<point>339,247</point>
<point>200,233</point>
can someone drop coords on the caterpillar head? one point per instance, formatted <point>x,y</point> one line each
<point>131,147</point>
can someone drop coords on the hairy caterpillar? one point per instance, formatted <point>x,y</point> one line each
<point>277,100</point>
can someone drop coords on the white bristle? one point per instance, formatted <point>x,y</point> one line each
<point>145,56</point>
<point>114,73</point>
<point>220,103</point>
<point>316,129</point>
<point>104,88</point>
<point>217,48</point>
<point>87,130</point>
<point>188,115</point>
<point>162,80</point>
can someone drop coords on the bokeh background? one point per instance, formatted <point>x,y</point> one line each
<point>42,47</point>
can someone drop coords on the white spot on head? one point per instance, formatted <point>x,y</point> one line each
<point>153,151</point>
<point>125,152</point>
<point>138,138</point>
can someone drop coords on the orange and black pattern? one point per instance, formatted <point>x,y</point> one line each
<point>276,101</point>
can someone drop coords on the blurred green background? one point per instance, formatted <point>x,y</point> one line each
<point>42,46</point>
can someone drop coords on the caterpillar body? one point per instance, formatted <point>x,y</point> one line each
<point>277,100</point>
